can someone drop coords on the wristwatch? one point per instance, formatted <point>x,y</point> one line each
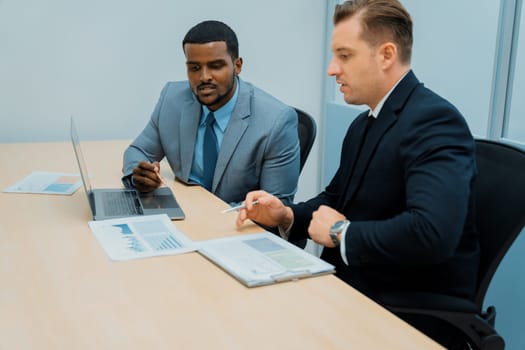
<point>337,228</point>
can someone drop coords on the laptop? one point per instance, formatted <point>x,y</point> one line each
<point>110,203</point>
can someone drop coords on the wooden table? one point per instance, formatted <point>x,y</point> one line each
<point>59,290</point>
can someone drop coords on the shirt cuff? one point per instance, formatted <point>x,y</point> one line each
<point>285,233</point>
<point>342,245</point>
<point>128,181</point>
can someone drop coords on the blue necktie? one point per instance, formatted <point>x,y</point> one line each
<point>209,151</point>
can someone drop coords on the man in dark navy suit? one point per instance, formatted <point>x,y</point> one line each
<point>398,212</point>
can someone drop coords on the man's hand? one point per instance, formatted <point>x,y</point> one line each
<point>268,211</point>
<point>322,219</point>
<point>146,176</point>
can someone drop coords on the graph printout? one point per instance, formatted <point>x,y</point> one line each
<point>42,182</point>
<point>140,237</point>
<point>262,258</point>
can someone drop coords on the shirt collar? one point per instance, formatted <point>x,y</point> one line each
<point>223,114</point>
<point>374,113</point>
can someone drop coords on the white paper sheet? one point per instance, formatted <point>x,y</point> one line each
<point>140,237</point>
<point>262,258</point>
<point>42,182</point>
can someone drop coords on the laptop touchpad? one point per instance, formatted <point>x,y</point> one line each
<point>150,201</point>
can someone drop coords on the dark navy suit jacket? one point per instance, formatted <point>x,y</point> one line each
<point>408,197</point>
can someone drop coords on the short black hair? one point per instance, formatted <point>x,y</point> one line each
<point>209,31</point>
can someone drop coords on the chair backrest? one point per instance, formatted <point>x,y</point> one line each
<point>500,205</point>
<point>307,130</point>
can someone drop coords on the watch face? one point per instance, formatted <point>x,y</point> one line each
<point>336,229</point>
<point>333,237</point>
<point>338,225</point>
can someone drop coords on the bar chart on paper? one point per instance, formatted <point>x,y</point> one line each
<point>153,232</point>
<point>43,182</point>
<point>140,237</point>
<point>163,242</point>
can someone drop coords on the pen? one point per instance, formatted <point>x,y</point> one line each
<point>157,171</point>
<point>162,181</point>
<point>238,207</point>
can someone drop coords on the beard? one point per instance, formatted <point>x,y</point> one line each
<point>220,97</point>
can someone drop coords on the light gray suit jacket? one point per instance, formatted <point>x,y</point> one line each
<point>260,149</point>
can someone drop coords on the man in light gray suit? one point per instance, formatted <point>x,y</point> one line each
<point>253,136</point>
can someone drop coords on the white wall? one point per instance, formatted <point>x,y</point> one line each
<point>516,124</point>
<point>104,62</point>
<point>454,53</point>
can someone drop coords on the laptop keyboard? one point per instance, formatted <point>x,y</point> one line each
<point>121,203</point>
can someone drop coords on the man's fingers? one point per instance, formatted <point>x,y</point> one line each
<point>241,217</point>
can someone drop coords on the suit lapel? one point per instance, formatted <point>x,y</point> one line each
<point>351,153</point>
<point>189,124</point>
<point>236,128</point>
<point>376,132</point>
<point>386,118</point>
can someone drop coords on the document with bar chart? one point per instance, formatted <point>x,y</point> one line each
<point>44,182</point>
<point>140,237</point>
<point>263,258</point>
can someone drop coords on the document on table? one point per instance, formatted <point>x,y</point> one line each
<point>262,258</point>
<point>42,182</point>
<point>140,237</point>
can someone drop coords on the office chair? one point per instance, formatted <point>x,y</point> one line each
<point>307,130</point>
<point>500,217</point>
